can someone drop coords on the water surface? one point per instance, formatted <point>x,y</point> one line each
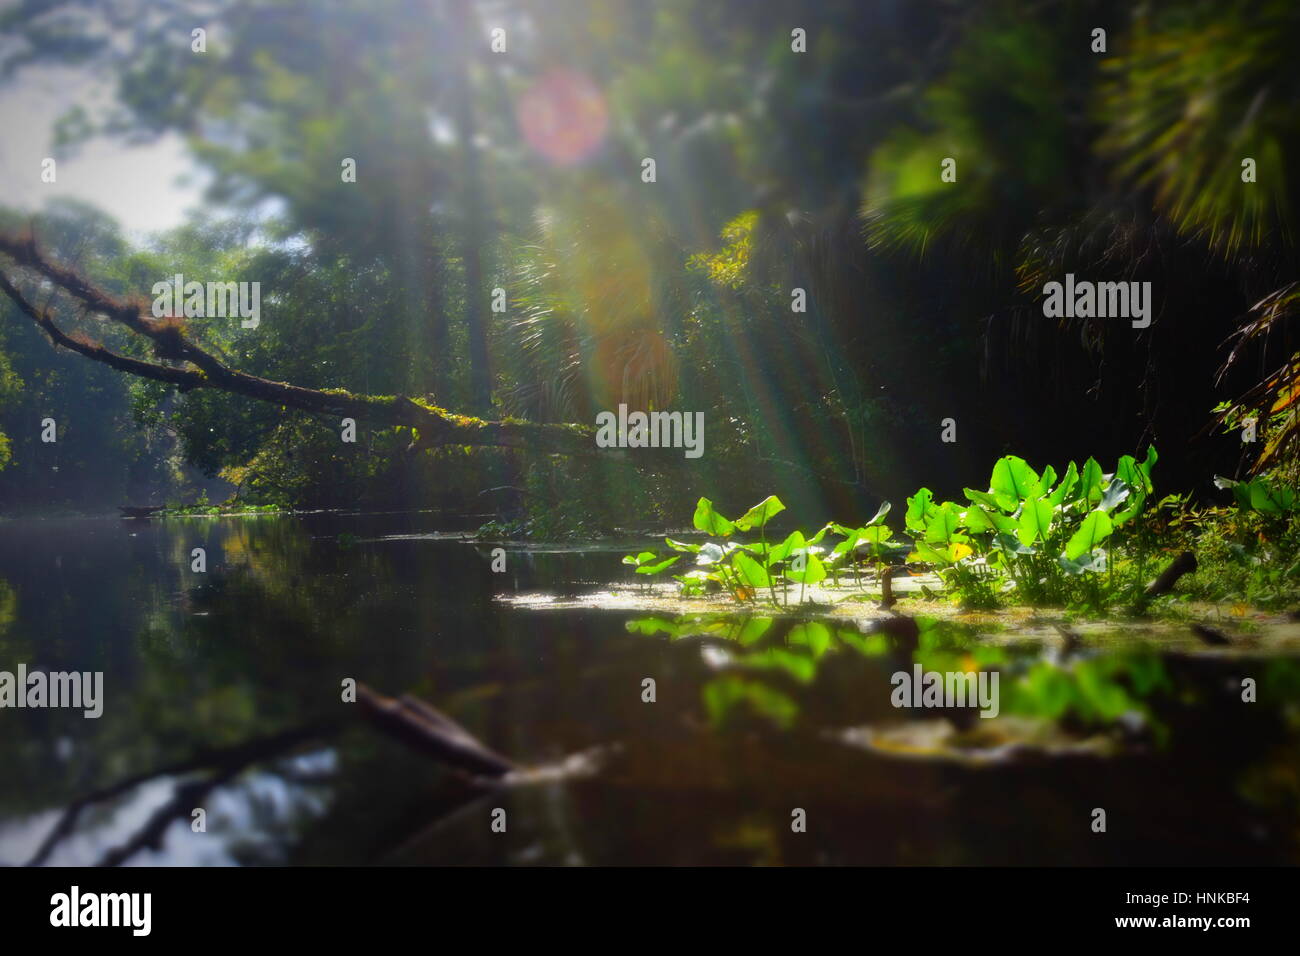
<point>754,718</point>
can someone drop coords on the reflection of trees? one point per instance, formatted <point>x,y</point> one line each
<point>408,720</point>
<point>221,766</point>
<point>8,614</point>
<point>200,668</point>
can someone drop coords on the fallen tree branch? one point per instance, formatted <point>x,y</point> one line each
<point>1185,563</point>
<point>429,731</point>
<point>195,367</point>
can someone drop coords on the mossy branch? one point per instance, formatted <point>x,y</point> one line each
<point>186,366</point>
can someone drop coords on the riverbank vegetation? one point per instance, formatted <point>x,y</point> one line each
<point>1089,539</point>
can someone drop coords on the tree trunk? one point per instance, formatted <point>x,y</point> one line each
<point>474,216</point>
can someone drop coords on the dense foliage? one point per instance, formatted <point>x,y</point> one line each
<point>776,171</point>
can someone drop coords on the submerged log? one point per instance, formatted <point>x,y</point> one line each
<point>431,732</point>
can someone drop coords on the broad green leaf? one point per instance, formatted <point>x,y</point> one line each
<point>917,507</point>
<point>812,572</point>
<point>1094,529</point>
<point>1035,521</point>
<point>1061,494</point>
<point>750,571</point>
<point>1241,492</point>
<point>760,514</point>
<point>682,546</point>
<point>881,512</point>
<point>793,542</point>
<point>927,552</point>
<point>660,566</point>
<point>1135,503</point>
<point>1090,482</point>
<point>709,521</point>
<point>830,526</point>
<point>1270,499</point>
<point>977,521</point>
<point>849,543</point>
<point>878,536</point>
<point>1148,465</point>
<point>1002,523</point>
<point>1013,481</point>
<point>982,498</point>
<point>942,523</point>
<point>1129,472</point>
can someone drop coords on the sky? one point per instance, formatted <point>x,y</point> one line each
<point>147,188</point>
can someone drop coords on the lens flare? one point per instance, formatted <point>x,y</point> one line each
<point>563,116</point>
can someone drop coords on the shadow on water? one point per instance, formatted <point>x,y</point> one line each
<point>753,718</point>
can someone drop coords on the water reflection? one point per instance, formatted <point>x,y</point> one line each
<point>754,716</point>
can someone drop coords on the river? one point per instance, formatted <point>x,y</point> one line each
<point>768,741</point>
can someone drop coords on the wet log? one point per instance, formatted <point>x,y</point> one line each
<point>431,732</point>
<point>1185,563</point>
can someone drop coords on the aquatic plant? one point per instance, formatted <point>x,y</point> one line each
<point>1048,538</point>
